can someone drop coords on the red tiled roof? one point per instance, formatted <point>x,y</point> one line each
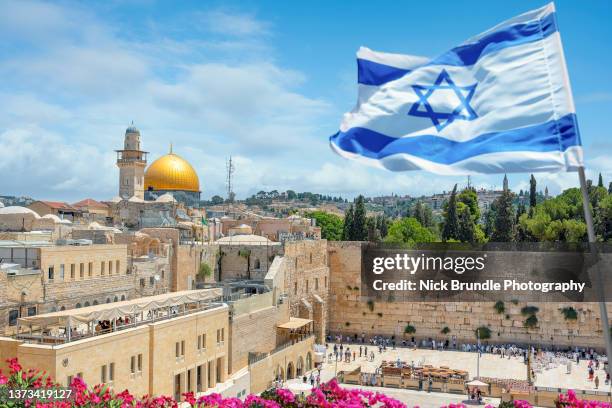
<point>90,202</point>
<point>58,205</point>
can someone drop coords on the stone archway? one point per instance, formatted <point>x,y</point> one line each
<point>279,374</point>
<point>290,371</point>
<point>299,371</point>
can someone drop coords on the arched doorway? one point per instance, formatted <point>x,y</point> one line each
<point>87,304</point>
<point>308,361</point>
<point>290,371</point>
<point>279,374</point>
<point>299,367</point>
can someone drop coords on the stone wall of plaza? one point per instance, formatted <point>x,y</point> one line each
<point>350,313</point>
<point>253,327</point>
<point>306,281</point>
<point>246,261</point>
<point>283,362</point>
<point>160,358</point>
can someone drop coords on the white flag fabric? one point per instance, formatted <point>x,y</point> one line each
<point>499,103</point>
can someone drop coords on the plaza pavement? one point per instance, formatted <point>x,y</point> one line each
<point>490,366</point>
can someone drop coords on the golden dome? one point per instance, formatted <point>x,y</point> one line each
<point>171,172</point>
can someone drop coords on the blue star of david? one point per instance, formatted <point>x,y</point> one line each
<point>462,111</point>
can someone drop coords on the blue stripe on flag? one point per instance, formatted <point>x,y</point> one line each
<point>551,136</point>
<point>374,73</point>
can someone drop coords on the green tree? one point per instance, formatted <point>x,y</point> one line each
<point>469,197</point>
<point>373,230</point>
<point>451,220</point>
<point>332,226</point>
<point>348,223</point>
<point>359,229</point>
<point>216,200</point>
<point>466,225</point>
<point>600,181</point>
<point>422,212</point>
<point>408,231</point>
<point>503,230</point>
<point>560,219</point>
<point>604,219</point>
<point>383,226</point>
<point>291,195</point>
<point>489,220</point>
<point>532,192</point>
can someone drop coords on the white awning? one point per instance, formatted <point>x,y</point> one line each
<point>111,311</point>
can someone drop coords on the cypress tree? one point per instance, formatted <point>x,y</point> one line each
<point>600,181</point>
<point>532,192</point>
<point>348,224</point>
<point>520,211</point>
<point>466,225</point>
<point>384,228</point>
<point>451,221</point>
<point>359,230</point>
<point>504,219</point>
<point>417,212</point>
<point>610,188</point>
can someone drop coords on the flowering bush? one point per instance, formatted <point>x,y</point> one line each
<point>327,395</point>
<point>571,400</point>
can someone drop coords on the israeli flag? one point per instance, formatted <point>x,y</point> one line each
<point>500,102</point>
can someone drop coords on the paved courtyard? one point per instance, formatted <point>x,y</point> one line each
<point>490,366</point>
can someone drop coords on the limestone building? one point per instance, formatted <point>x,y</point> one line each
<point>46,276</point>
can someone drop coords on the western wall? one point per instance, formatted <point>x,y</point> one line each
<point>351,313</point>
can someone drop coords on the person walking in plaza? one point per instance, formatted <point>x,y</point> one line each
<point>360,350</point>
<point>596,382</point>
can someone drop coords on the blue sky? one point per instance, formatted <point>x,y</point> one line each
<point>263,81</point>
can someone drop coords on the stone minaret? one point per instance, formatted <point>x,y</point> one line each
<point>131,162</point>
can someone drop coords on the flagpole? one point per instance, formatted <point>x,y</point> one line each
<point>588,217</point>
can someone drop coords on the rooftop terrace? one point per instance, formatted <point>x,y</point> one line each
<point>76,324</point>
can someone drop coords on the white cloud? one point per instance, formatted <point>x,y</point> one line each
<point>234,24</point>
<point>37,162</point>
<point>214,90</point>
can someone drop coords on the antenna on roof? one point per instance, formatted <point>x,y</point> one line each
<point>230,171</point>
<point>170,147</point>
